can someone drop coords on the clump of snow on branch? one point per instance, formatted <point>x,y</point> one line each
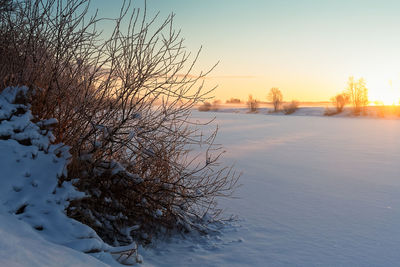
<point>30,189</point>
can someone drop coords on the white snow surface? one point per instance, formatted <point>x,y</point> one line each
<point>316,191</point>
<point>20,245</point>
<point>34,230</point>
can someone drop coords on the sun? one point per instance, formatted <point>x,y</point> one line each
<point>391,100</point>
<point>384,92</point>
<point>384,98</point>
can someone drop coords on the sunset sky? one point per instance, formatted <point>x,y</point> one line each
<point>306,48</point>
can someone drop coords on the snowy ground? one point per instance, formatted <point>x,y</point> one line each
<point>316,191</point>
<point>34,230</point>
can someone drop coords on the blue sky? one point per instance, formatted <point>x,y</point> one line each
<point>306,48</point>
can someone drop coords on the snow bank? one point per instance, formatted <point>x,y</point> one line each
<point>34,229</point>
<point>21,245</point>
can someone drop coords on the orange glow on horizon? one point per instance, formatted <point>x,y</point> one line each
<point>381,90</point>
<point>384,90</point>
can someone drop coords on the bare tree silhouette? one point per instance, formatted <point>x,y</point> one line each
<point>358,94</point>
<point>340,100</point>
<point>252,104</point>
<point>275,96</point>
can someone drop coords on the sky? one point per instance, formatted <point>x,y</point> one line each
<point>306,48</point>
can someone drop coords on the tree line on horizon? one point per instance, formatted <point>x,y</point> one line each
<point>355,94</point>
<point>275,97</point>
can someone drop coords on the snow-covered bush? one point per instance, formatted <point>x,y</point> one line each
<point>30,189</point>
<point>123,105</point>
<point>15,120</point>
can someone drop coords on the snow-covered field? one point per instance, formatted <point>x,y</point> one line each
<point>316,191</point>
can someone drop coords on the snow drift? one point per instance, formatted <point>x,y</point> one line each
<point>34,229</point>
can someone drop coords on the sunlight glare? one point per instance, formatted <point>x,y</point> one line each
<point>384,90</point>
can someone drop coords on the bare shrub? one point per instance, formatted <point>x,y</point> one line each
<point>290,108</point>
<point>207,106</point>
<point>123,103</point>
<point>276,98</point>
<point>233,101</point>
<point>252,104</point>
<point>339,101</point>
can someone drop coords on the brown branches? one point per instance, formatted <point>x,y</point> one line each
<point>123,104</point>
<point>252,104</point>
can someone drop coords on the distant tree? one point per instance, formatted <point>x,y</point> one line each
<point>233,101</point>
<point>252,104</point>
<point>207,106</point>
<point>358,94</point>
<point>340,100</point>
<point>275,96</point>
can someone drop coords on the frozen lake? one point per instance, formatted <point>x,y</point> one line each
<point>316,191</point>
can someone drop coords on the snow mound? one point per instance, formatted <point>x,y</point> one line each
<point>21,245</point>
<point>32,202</point>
